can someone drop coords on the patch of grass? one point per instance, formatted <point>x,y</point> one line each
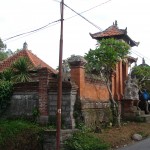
<point>85,141</point>
<point>17,133</point>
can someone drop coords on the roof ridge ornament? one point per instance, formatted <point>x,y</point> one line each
<point>116,24</point>
<point>143,61</point>
<point>25,46</point>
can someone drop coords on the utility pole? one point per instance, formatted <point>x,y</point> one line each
<point>59,98</point>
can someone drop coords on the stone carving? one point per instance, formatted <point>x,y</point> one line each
<point>25,46</point>
<point>65,71</point>
<point>131,89</point>
<point>76,60</point>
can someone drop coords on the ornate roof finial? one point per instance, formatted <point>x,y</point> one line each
<point>25,46</point>
<point>116,24</point>
<point>135,64</point>
<point>143,61</point>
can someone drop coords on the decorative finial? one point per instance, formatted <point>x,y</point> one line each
<point>25,46</point>
<point>143,61</point>
<point>125,30</point>
<point>116,24</point>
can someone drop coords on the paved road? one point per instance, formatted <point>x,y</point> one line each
<point>142,145</point>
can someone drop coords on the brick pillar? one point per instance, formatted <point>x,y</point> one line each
<point>117,82</point>
<point>78,76</point>
<point>124,74</point>
<point>43,95</point>
<point>78,73</point>
<point>120,81</point>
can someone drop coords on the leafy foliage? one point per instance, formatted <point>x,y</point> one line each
<point>104,58</point>
<point>142,73</point>
<point>3,55</point>
<point>2,45</point>
<point>102,61</point>
<point>7,75</point>
<point>81,140</point>
<point>18,72</point>
<point>5,94</point>
<point>19,135</point>
<point>21,69</point>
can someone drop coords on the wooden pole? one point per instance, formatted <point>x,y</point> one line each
<point>59,98</point>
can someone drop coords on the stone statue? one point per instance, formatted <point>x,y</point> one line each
<point>65,71</point>
<point>131,89</point>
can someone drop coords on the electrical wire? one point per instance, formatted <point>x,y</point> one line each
<point>32,31</point>
<point>83,17</point>
<point>140,55</point>
<point>57,21</point>
<point>87,9</point>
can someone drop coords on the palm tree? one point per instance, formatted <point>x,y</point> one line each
<point>21,69</point>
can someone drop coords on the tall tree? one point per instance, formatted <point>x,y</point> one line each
<point>2,45</point>
<point>3,54</point>
<point>102,61</point>
<point>142,74</point>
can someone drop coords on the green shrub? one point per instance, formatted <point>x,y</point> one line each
<point>84,141</point>
<point>19,135</point>
<point>6,88</point>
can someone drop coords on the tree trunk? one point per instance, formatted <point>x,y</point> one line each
<point>114,106</point>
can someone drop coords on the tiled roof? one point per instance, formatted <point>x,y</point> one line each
<point>109,32</point>
<point>36,62</point>
<point>114,32</point>
<point>132,59</point>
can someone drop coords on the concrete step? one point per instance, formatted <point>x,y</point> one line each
<point>144,118</point>
<point>140,113</point>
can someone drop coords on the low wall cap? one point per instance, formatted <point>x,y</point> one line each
<point>77,60</point>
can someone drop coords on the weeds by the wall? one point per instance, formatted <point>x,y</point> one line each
<point>83,140</point>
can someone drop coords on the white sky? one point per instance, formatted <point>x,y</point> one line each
<point>18,16</point>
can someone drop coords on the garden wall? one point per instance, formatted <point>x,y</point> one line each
<point>92,96</point>
<point>24,99</point>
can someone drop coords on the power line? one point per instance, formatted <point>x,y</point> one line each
<point>57,21</point>
<point>87,9</point>
<point>140,55</point>
<point>83,17</point>
<point>32,31</point>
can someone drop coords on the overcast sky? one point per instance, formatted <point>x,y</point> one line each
<point>19,16</point>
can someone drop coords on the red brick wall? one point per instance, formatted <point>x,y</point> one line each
<point>95,91</point>
<point>90,90</point>
<point>78,75</point>
<point>98,91</point>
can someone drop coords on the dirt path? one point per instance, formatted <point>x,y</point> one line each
<point>120,137</point>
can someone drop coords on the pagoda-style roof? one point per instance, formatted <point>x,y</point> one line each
<point>114,32</point>
<point>132,59</point>
<point>35,61</point>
